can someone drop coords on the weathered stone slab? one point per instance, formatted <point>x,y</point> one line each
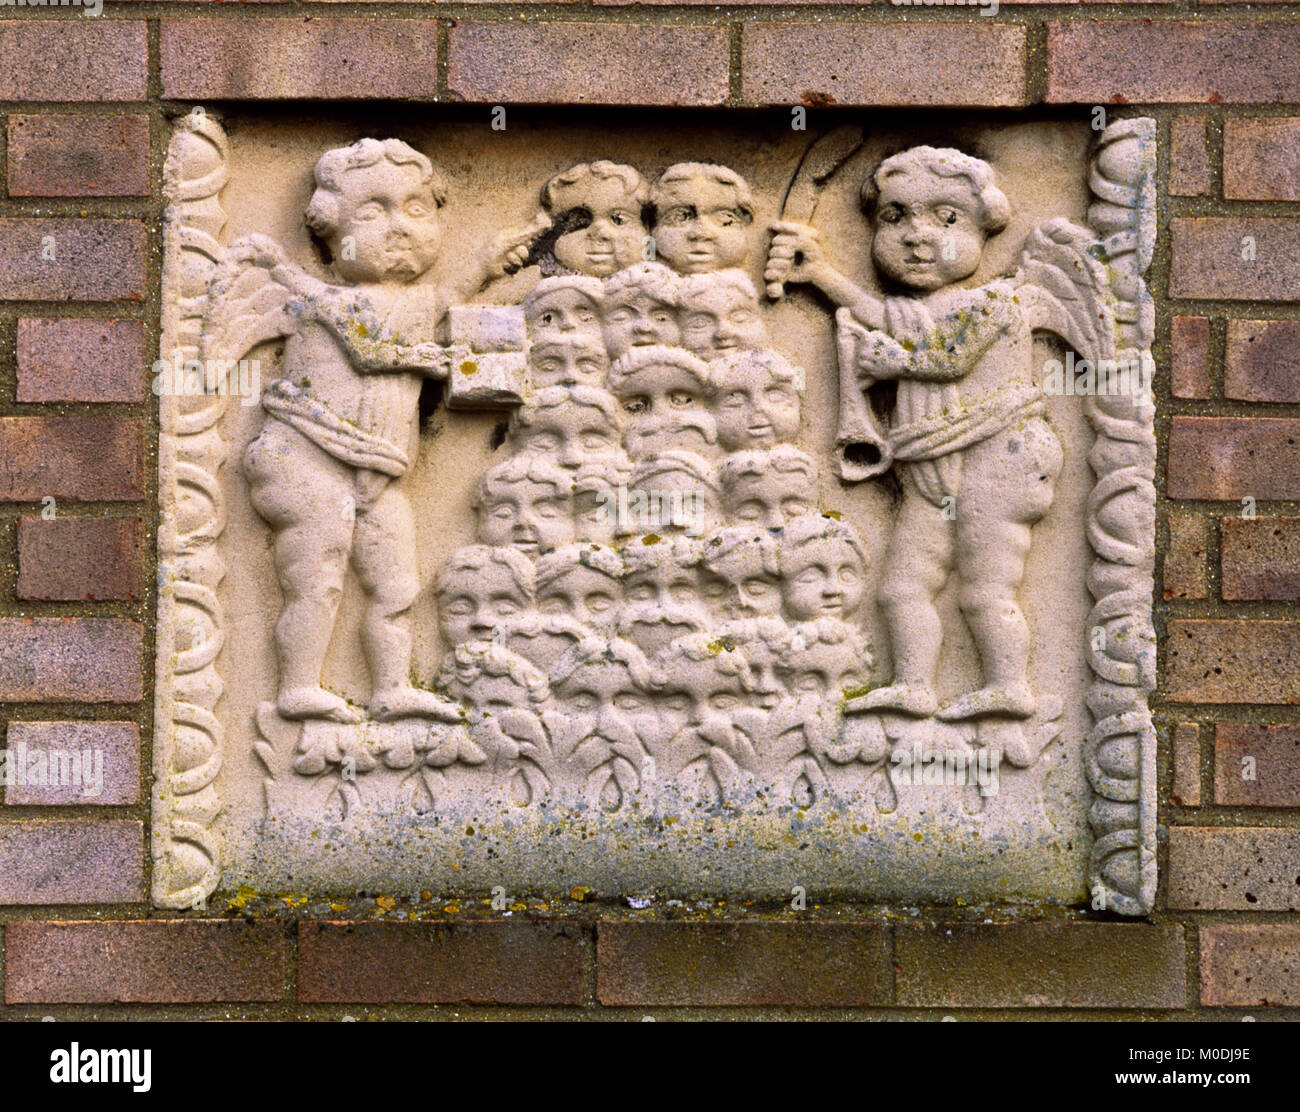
<point>550,507</point>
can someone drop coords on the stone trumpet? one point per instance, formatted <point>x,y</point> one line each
<point>861,446</point>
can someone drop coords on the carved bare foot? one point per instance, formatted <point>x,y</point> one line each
<point>314,702</point>
<point>1016,701</point>
<point>913,699</point>
<point>411,702</point>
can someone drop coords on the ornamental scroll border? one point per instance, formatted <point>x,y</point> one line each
<point>1119,752</point>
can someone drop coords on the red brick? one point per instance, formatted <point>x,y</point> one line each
<point>117,743</point>
<point>78,156</point>
<point>1250,965</point>
<point>1268,755</point>
<point>71,863</point>
<point>309,59</point>
<point>883,64</point>
<point>1261,159</point>
<point>94,260</point>
<point>73,59</point>
<point>587,63</point>
<point>1232,661</point>
<point>69,360</point>
<point>1172,62</point>
<point>74,558</point>
<point>145,962</point>
<point>1189,164</point>
<point>1233,869</point>
<point>1189,341</point>
<point>82,459</point>
<point>1262,363</point>
<point>1207,258</point>
<point>1260,558</point>
<point>1040,965</point>
<point>737,964</point>
<point>1187,765</point>
<point>1184,563</point>
<point>440,963</point>
<point>83,660</point>
<point>1229,458</point>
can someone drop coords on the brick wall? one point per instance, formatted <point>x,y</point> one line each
<point>86,103</point>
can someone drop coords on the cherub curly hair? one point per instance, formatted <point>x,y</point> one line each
<point>944,162</point>
<point>323,210</point>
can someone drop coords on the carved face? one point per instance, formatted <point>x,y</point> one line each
<point>764,664</point>
<point>823,579</point>
<point>563,310</point>
<point>771,498</point>
<point>821,671</point>
<point>707,693</point>
<point>571,434</point>
<point>388,229</point>
<point>583,595</point>
<point>927,230</point>
<point>595,512</point>
<point>532,516</point>
<point>665,409</point>
<point>662,602</point>
<point>633,318</point>
<point>474,603</point>
<point>754,408</point>
<point>567,359</point>
<point>700,227</point>
<point>721,319</point>
<point>613,239</point>
<point>739,586</point>
<point>605,701</point>
<point>671,499</point>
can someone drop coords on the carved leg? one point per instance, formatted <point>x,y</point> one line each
<point>383,556</point>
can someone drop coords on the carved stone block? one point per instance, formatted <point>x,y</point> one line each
<point>789,520</point>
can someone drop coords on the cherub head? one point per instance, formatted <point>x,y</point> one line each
<point>603,203</point>
<point>933,208</point>
<point>568,359</point>
<point>663,391</point>
<point>768,487</point>
<point>375,207</point>
<point>564,306</point>
<point>822,569</point>
<point>764,642</point>
<point>822,659</point>
<point>525,501</point>
<point>502,688</point>
<point>756,399</point>
<point>719,312</point>
<point>596,485</point>
<point>482,588</point>
<point>640,308</point>
<point>742,578</point>
<point>710,677</point>
<point>672,490</point>
<point>661,592</point>
<point>568,424</point>
<point>605,686</point>
<point>703,217</point>
<point>581,583</point>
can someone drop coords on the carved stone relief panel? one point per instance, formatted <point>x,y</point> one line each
<point>699,508</point>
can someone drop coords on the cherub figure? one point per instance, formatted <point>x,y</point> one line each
<point>976,456</point>
<point>569,425</point>
<point>755,399</point>
<point>742,578</point>
<point>599,214</point>
<point>482,589</point>
<point>327,469</point>
<point>661,592</point>
<point>664,391</point>
<point>768,487</point>
<point>525,501</point>
<point>822,569</point>
<point>703,217</point>
<point>718,312</point>
<point>640,308</point>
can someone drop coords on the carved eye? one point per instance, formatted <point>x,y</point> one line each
<point>661,316</point>
<point>697,322</point>
<point>727,218</point>
<point>947,215</point>
<point>735,399</point>
<point>680,398</point>
<point>628,700</point>
<point>544,442</point>
<point>808,577</point>
<point>642,592</point>
<point>618,218</point>
<point>584,701</point>
<point>590,366</point>
<point>621,315</point>
<point>599,602</point>
<point>848,574</point>
<point>586,316</point>
<point>793,507</point>
<point>808,683</point>
<point>758,587</point>
<point>460,607</point>
<point>548,508</point>
<point>506,607</point>
<point>682,592</point>
<point>417,209</point>
<point>503,511</point>
<point>723,701</point>
<point>637,405</point>
<point>681,214</point>
<point>891,215</point>
<point>595,441</point>
<point>749,511</point>
<point>553,604</point>
<point>782,395</point>
<point>742,316</point>
<point>368,211</point>
<point>678,704</point>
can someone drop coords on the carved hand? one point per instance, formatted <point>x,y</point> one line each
<point>796,255</point>
<point>509,250</point>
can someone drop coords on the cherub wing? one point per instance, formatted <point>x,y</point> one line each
<point>1062,287</point>
<point>248,299</point>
